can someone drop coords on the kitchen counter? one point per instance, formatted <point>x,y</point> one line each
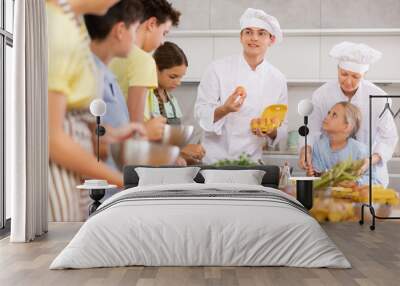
<point>280,152</point>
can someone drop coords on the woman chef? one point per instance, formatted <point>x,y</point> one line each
<point>354,60</point>
<point>225,111</point>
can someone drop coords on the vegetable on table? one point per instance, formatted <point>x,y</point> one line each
<point>244,160</point>
<point>347,170</point>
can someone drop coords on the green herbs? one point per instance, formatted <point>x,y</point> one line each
<point>244,160</point>
<point>348,170</point>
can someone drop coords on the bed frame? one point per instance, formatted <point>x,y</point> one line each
<point>270,179</point>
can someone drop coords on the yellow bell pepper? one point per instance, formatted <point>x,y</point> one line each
<point>271,118</point>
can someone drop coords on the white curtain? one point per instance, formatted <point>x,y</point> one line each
<point>26,124</point>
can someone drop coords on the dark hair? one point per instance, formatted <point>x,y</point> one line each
<point>127,11</point>
<point>169,55</point>
<point>162,10</point>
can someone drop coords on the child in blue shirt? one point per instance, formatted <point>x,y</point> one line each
<point>338,144</point>
<point>112,35</point>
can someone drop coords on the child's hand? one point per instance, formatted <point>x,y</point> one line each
<point>376,158</point>
<point>180,162</point>
<point>310,170</point>
<point>347,184</point>
<point>120,134</point>
<point>364,167</point>
<point>193,153</point>
<point>302,161</point>
<point>155,128</point>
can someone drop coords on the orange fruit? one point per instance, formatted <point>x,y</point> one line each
<point>240,90</point>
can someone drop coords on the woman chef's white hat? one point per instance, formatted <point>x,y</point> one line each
<point>254,18</point>
<point>355,57</point>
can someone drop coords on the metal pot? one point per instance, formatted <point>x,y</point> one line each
<point>177,135</point>
<point>142,152</point>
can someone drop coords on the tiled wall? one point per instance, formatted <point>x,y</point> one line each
<point>292,14</point>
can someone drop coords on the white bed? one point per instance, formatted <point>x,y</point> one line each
<point>224,225</point>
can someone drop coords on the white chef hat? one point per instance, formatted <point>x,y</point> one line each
<point>256,18</point>
<point>355,57</point>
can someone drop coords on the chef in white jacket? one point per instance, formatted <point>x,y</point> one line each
<point>353,63</point>
<point>222,113</point>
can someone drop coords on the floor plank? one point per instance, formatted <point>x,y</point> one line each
<point>375,257</point>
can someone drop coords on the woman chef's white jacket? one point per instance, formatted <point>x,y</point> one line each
<point>384,130</point>
<point>231,136</point>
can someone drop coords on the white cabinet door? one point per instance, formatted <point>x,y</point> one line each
<point>386,69</point>
<point>199,51</point>
<point>296,57</point>
<point>301,57</point>
<point>226,46</point>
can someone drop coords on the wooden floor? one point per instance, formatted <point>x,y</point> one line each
<point>375,257</point>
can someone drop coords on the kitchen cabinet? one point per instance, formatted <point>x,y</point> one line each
<point>303,56</point>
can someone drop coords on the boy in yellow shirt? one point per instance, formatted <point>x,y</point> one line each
<point>138,73</point>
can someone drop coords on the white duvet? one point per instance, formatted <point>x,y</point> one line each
<point>202,231</point>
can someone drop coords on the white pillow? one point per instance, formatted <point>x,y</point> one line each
<point>248,177</point>
<point>166,176</point>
